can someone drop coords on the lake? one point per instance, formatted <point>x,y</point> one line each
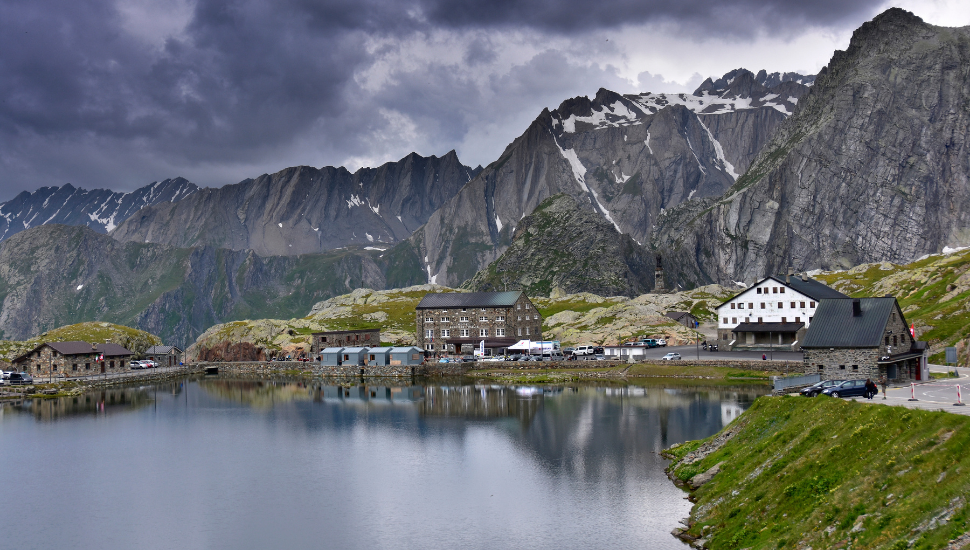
<point>217,462</point>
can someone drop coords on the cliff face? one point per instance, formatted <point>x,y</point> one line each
<point>57,275</point>
<point>305,210</point>
<point>873,166</point>
<point>624,158</point>
<point>563,247</point>
<point>99,209</point>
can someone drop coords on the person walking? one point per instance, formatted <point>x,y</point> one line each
<point>871,389</point>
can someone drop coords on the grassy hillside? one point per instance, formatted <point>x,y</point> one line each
<point>828,473</point>
<point>934,293</point>
<point>94,332</point>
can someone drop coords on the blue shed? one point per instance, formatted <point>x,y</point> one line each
<point>378,357</point>
<point>354,356</point>
<point>331,357</point>
<point>407,356</point>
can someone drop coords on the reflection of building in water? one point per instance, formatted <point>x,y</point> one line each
<point>483,401</point>
<point>375,394</point>
<point>93,403</point>
<point>730,411</point>
<point>261,394</point>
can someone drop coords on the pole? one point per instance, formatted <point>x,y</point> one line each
<point>959,402</point>
<point>771,345</point>
<point>912,392</point>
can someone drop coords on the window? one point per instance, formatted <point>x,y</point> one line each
<point>483,332</point>
<point>821,368</point>
<point>725,321</point>
<point>855,368</point>
<point>74,366</point>
<point>759,320</point>
<point>429,347</point>
<point>887,340</point>
<point>526,317</point>
<point>781,290</point>
<point>526,331</point>
<point>446,319</point>
<point>894,339</point>
<point>774,290</point>
<point>347,356</point>
<point>429,319</point>
<point>784,320</point>
<point>500,319</point>
<point>518,306</point>
<point>87,366</point>
<point>734,320</point>
<point>781,305</point>
<point>429,333</point>
<point>759,291</point>
<point>464,309</point>
<point>519,317</point>
<point>445,333</point>
<point>802,303</point>
<point>463,319</point>
<point>464,333</point>
<point>483,319</point>
<point>811,304</point>
<point>500,332</point>
<point>520,331</point>
<point>528,306</point>
<point>732,305</point>
<point>762,305</point>
<point>750,305</point>
<point>741,305</point>
<point>798,319</point>
<point>483,309</point>
<point>793,305</point>
<point>841,367</point>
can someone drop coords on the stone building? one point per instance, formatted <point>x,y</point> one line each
<point>685,318</point>
<point>854,338</point>
<point>776,311</point>
<point>345,339</point>
<point>73,359</point>
<point>457,322</point>
<point>165,356</point>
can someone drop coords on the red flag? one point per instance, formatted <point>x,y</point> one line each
<point>912,330</point>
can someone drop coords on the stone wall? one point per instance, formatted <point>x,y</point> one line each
<point>311,368</point>
<point>843,363</point>
<point>345,339</point>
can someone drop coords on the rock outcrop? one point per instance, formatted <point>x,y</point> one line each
<point>873,166</point>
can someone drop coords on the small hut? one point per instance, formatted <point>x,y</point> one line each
<point>354,356</point>
<point>331,357</point>
<point>379,357</point>
<point>411,355</point>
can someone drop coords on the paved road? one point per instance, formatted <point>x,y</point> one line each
<point>931,395</point>
<point>693,352</point>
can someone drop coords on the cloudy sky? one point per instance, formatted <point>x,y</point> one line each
<point>116,94</point>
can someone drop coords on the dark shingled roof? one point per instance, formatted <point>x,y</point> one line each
<point>810,288</point>
<point>678,315</point>
<point>77,347</point>
<point>71,348</point>
<point>162,350</point>
<point>446,300</point>
<point>834,326</point>
<point>768,327</point>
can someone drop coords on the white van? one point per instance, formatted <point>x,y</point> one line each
<point>585,349</point>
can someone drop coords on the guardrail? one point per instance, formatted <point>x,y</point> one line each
<point>792,381</point>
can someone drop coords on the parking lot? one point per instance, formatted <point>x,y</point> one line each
<point>695,352</point>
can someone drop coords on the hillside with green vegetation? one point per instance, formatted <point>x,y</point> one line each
<point>934,293</point>
<point>828,473</point>
<point>94,332</point>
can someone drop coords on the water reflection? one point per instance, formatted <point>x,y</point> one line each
<point>358,465</point>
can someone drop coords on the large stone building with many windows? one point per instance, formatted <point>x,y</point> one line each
<point>456,322</point>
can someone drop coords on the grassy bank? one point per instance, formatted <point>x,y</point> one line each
<point>828,473</point>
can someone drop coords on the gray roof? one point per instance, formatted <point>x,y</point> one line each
<point>678,315</point>
<point>162,350</point>
<point>446,300</point>
<point>834,326</point>
<point>75,347</point>
<point>407,349</point>
<point>331,350</point>
<point>768,327</point>
<point>809,287</point>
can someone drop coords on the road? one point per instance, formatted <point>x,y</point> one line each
<point>931,395</point>
<point>692,352</point>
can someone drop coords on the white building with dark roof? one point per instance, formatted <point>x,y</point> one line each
<point>774,312</point>
<point>457,322</point>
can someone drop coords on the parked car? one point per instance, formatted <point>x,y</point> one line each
<point>444,360</point>
<point>598,350</point>
<point>817,387</point>
<point>599,357</point>
<point>5,374</point>
<point>848,388</point>
<point>149,364</point>
<point>661,343</point>
<point>135,365</point>
<point>20,379</point>
<point>584,350</point>
<point>568,351</point>
<point>670,356</point>
<point>468,359</point>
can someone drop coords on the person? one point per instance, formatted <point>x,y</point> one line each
<point>883,381</point>
<point>764,357</point>
<point>871,389</point>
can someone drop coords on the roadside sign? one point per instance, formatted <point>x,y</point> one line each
<point>951,356</point>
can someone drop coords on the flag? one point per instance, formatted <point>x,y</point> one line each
<point>912,331</point>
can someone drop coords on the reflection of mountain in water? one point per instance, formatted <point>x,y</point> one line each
<point>263,395</point>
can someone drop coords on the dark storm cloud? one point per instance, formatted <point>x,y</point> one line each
<point>85,99</point>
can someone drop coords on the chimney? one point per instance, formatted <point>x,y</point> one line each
<point>856,307</point>
<point>805,276</point>
<point>788,276</point>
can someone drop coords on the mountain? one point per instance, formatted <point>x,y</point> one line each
<point>99,209</point>
<point>563,248</point>
<point>873,166</point>
<point>57,275</point>
<point>626,158</point>
<point>305,210</point>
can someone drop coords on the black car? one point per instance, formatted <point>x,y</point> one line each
<point>20,379</point>
<point>817,387</point>
<point>849,388</point>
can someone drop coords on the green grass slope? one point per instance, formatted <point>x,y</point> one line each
<point>828,473</point>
